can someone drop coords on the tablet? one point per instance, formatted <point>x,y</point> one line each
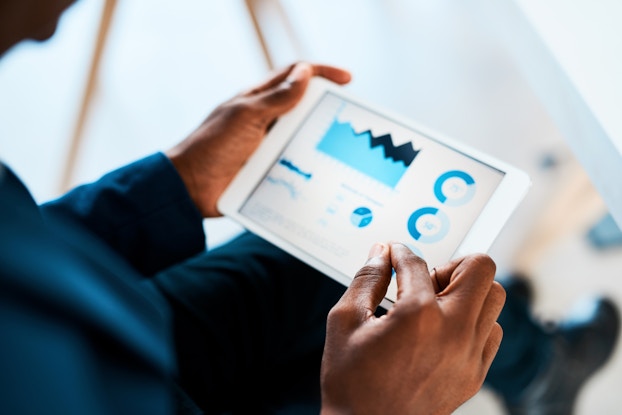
<point>336,175</point>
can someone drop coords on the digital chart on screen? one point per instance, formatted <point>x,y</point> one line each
<point>376,156</point>
<point>350,177</point>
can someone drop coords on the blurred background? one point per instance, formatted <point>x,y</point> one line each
<point>91,100</point>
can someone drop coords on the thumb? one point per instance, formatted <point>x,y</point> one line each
<point>283,96</point>
<point>370,284</point>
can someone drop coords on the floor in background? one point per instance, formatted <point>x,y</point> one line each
<point>167,65</point>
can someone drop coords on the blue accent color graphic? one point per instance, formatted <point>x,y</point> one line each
<point>467,192</point>
<point>428,225</point>
<point>376,157</point>
<point>293,193</point>
<point>361,217</point>
<point>291,166</point>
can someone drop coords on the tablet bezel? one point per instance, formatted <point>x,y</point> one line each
<point>506,198</point>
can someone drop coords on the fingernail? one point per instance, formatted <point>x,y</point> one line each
<point>376,250</point>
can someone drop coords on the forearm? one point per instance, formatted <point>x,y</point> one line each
<point>143,211</point>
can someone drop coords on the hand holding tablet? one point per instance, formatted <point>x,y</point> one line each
<point>336,175</point>
<point>209,158</point>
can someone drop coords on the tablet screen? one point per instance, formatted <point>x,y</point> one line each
<point>350,177</point>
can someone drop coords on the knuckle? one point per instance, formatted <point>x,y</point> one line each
<point>336,312</point>
<point>495,300</point>
<point>498,292</point>
<point>242,106</point>
<point>483,262</point>
<point>496,334</point>
<point>419,314</point>
<point>368,271</point>
<point>283,94</point>
<point>416,261</point>
<point>340,314</point>
<point>236,106</point>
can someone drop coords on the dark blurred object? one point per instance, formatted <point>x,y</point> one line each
<point>542,366</point>
<point>582,344</point>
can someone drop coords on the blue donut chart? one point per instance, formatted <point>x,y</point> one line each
<point>468,191</point>
<point>428,225</point>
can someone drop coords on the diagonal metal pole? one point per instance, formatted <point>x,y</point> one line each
<point>87,97</point>
<point>251,7</point>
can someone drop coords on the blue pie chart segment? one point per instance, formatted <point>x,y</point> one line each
<point>428,225</point>
<point>361,217</point>
<point>454,188</point>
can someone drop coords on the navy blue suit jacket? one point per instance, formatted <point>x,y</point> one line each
<point>81,332</point>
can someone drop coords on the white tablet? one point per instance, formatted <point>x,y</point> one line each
<point>336,174</point>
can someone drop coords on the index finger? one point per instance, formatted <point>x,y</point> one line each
<point>333,73</point>
<point>411,271</point>
<point>367,289</point>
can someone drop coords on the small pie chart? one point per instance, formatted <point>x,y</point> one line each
<point>361,217</point>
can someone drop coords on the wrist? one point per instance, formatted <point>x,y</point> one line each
<point>185,173</point>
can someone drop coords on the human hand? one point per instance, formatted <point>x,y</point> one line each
<point>432,349</point>
<point>211,156</point>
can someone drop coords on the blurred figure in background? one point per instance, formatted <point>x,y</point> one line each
<point>541,366</point>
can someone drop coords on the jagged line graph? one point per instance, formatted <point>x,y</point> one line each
<point>291,166</point>
<point>404,152</point>
<point>288,185</point>
<point>376,157</point>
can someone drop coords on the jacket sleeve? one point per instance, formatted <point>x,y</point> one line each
<point>143,211</point>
